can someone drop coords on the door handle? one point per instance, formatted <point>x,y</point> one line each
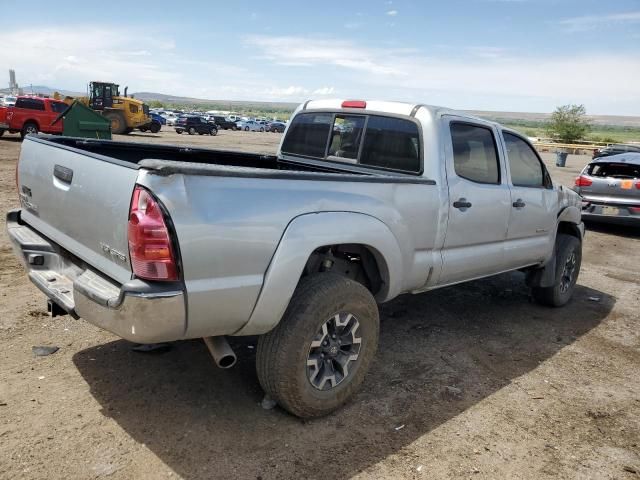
<point>462,204</point>
<point>518,203</point>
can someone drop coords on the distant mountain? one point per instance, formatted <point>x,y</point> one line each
<point>44,90</point>
<point>227,104</point>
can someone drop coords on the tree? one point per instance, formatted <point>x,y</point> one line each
<point>568,123</point>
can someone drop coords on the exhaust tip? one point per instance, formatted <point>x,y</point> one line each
<point>227,361</point>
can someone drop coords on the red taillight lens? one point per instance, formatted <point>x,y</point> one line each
<point>583,181</point>
<point>354,104</point>
<point>638,185</point>
<point>150,248</point>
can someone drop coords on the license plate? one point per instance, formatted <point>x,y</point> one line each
<point>610,211</point>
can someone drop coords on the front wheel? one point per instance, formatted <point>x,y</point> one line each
<point>318,355</point>
<point>246,129</point>
<point>192,131</point>
<point>213,132</point>
<point>568,254</point>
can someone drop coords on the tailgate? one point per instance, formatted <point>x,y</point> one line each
<point>3,117</point>
<point>80,201</point>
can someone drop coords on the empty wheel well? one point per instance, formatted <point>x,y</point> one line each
<point>358,262</point>
<point>569,228</point>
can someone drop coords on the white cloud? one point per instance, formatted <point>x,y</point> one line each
<point>474,72</point>
<point>588,22</point>
<point>324,91</point>
<point>392,13</point>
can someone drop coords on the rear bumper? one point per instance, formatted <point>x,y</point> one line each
<point>617,219</point>
<point>4,126</point>
<point>618,213</point>
<point>139,311</point>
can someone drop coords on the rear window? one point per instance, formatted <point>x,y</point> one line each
<point>30,103</point>
<point>614,170</point>
<point>369,140</point>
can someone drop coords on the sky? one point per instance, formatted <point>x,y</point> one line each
<point>501,55</point>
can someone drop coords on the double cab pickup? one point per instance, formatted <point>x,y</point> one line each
<point>364,201</point>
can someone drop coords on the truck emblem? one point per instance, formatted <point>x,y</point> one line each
<point>113,252</point>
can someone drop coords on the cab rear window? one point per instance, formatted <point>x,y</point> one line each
<point>370,140</point>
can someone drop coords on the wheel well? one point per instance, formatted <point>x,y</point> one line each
<point>358,262</point>
<point>27,122</point>
<point>569,228</point>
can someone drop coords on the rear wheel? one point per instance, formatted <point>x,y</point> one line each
<point>143,129</point>
<point>213,132</point>
<point>318,355</point>
<point>1,132</point>
<point>234,128</point>
<point>262,129</point>
<point>118,125</point>
<point>128,130</point>
<point>568,259</point>
<point>29,128</point>
<point>155,127</point>
<point>246,129</point>
<point>178,132</point>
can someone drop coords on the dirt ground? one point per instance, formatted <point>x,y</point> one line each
<point>472,381</point>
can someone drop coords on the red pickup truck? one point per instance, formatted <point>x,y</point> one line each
<point>31,115</point>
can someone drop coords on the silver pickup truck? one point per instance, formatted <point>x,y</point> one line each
<point>363,202</point>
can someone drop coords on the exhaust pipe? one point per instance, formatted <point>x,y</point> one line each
<point>221,352</point>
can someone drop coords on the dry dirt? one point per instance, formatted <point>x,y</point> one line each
<point>473,381</point>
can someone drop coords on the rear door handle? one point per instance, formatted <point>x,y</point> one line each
<point>518,203</point>
<point>462,204</point>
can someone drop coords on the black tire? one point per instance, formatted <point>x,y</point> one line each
<point>143,129</point>
<point>118,124</point>
<point>192,131</point>
<point>284,352</point>
<point>127,130</point>
<point>178,132</point>
<point>568,253</point>
<point>262,129</point>
<point>155,127</point>
<point>29,128</point>
<point>234,128</point>
<point>213,132</point>
<point>1,132</point>
<point>246,129</point>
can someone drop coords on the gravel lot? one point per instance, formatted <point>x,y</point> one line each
<point>472,381</point>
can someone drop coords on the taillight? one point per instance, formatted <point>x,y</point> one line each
<point>583,181</point>
<point>150,248</point>
<point>354,104</point>
<point>638,185</point>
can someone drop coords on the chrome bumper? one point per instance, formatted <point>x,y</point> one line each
<point>139,311</point>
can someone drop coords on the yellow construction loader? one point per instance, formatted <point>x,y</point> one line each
<point>125,113</point>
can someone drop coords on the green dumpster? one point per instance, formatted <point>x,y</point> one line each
<point>81,121</point>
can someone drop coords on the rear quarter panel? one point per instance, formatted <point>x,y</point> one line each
<point>228,229</point>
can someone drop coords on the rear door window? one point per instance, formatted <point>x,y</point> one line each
<point>369,140</point>
<point>58,107</point>
<point>30,103</point>
<point>475,155</point>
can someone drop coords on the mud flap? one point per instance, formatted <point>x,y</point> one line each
<point>544,276</point>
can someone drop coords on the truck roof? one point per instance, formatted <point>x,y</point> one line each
<point>398,108</point>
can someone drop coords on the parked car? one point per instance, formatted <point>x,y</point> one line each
<point>155,125</point>
<point>223,123</point>
<point>252,125</point>
<point>610,189</point>
<point>193,125</point>
<point>615,149</point>
<point>8,100</point>
<point>277,127</point>
<point>171,118</point>
<point>31,115</point>
<point>298,248</point>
